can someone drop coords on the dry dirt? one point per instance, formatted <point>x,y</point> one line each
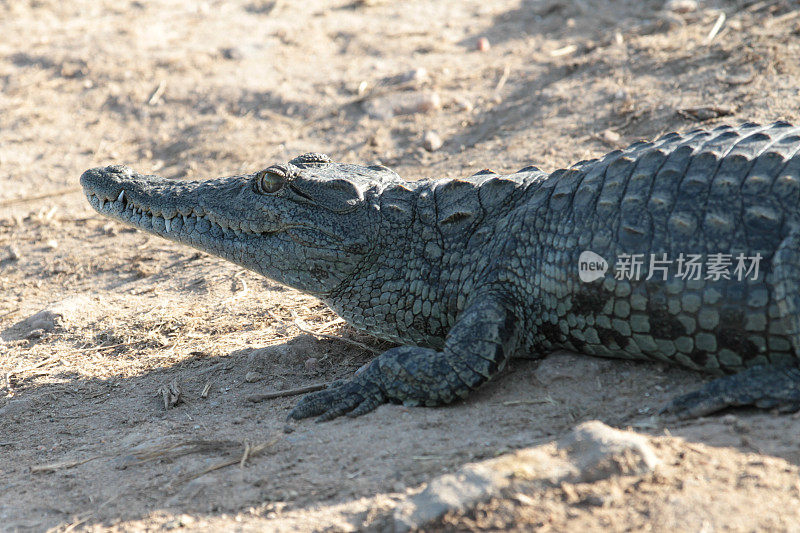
<point>203,89</point>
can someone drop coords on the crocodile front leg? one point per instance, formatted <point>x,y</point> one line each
<point>476,349</point>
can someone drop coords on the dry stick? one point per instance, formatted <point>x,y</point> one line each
<point>9,313</point>
<point>155,96</point>
<point>715,30</point>
<point>564,51</point>
<point>761,5</point>
<point>238,294</point>
<point>78,521</point>
<point>39,196</point>
<point>326,325</point>
<point>503,79</point>
<point>41,363</point>
<point>101,348</point>
<point>60,465</point>
<point>246,455</point>
<point>783,18</point>
<point>288,392</point>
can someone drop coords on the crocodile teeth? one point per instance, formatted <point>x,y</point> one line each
<point>102,204</point>
<point>121,196</point>
<point>168,224</point>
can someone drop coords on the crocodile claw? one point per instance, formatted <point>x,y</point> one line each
<point>352,398</point>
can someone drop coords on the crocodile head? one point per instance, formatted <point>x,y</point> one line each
<point>305,224</point>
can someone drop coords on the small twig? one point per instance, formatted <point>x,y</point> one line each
<point>742,79</point>
<point>61,465</point>
<point>9,313</point>
<point>80,519</point>
<point>101,348</point>
<point>333,322</point>
<point>264,112</point>
<point>238,294</point>
<point>758,6</point>
<point>564,51</point>
<point>503,79</point>
<point>41,363</point>
<point>242,281</point>
<point>783,18</point>
<point>35,197</point>
<point>206,389</point>
<point>246,454</point>
<point>715,30</point>
<point>155,96</point>
<point>288,392</point>
<point>526,402</point>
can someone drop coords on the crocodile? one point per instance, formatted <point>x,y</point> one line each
<point>683,250</point>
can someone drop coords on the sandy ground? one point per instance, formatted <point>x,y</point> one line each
<point>203,89</point>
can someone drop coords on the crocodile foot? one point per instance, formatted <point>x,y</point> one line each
<point>406,374</point>
<point>766,387</point>
<point>352,398</point>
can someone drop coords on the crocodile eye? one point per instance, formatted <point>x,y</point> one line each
<point>270,180</point>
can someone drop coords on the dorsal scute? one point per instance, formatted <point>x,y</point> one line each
<point>462,202</point>
<point>396,203</point>
<point>457,204</point>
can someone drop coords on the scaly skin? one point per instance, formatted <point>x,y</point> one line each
<point>466,273</point>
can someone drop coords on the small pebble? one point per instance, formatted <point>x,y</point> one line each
<point>51,244</point>
<point>13,253</point>
<point>252,377</point>
<point>402,103</point>
<point>35,333</point>
<point>432,141</point>
<point>483,45</point>
<point>462,104</point>
<point>681,6</point>
<point>231,53</point>
<point>418,75</point>
<point>311,364</point>
<point>611,136</point>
